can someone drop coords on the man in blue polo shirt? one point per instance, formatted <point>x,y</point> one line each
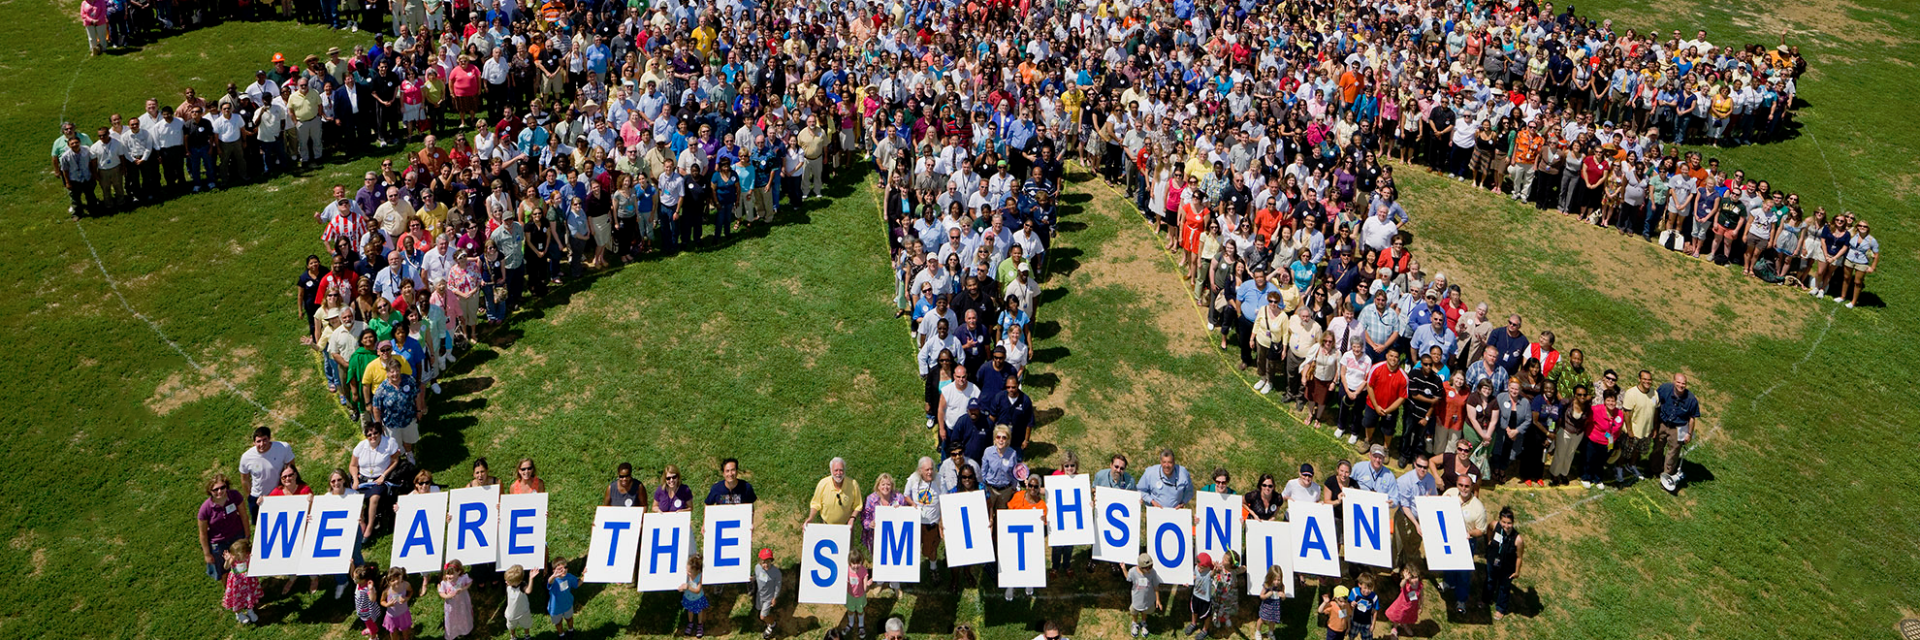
<point>1248,299</point>
<point>1679,408</point>
<point>1014,409</point>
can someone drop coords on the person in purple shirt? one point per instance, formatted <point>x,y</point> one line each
<point>672,495</point>
<point>223,520</point>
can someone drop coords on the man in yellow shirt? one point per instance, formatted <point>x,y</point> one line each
<point>303,105</point>
<point>835,498</point>
<point>813,145</point>
<point>432,215</point>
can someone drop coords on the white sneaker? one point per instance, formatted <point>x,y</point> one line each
<point>339,590</point>
<point>436,388</point>
<point>1009,594</point>
<point>1849,305</point>
<point>929,423</point>
<point>1585,484</point>
<point>1352,439</point>
<point>1266,388</point>
<point>1839,299</point>
<point>1637,475</point>
<point>1210,327</point>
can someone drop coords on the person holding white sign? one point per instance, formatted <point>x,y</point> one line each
<point>1168,485</point>
<point>835,498</point>
<point>923,491</point>
<point>1466,488</point>
<point>1414,483</point>
<point>625,491</point>
<point>1034,498</point>
<point>883,496</point>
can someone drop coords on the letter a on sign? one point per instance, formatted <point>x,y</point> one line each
<point>963,522</point>
<point>419,532</point>
<point>1314,548</point>
<point>614,545</point>
<point>473,525</point>
<point>896,544</point>
<point>276,548</point>
<point>823,564</point>
<point>727,542</point>
<point>1369,527</point>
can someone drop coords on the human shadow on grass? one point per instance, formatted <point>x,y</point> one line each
<point>1045,330</point>
<point>1051,354</point>
<point>1063,261</point>
<point>1043,380</point>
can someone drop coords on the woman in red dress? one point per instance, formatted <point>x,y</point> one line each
<point>1193,216</point>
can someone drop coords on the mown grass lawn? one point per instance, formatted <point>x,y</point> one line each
<point>777,349</point>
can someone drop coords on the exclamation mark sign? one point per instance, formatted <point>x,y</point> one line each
<point>1446,546</point>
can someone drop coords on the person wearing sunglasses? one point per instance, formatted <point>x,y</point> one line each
<point>223,520</point>
<point>1416,482</point>
<point>625,491</point>
<point>672,495</point>
<point>526,479</point>
<point>1302,488</point>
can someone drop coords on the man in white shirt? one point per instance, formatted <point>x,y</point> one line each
<point>227,129</point>
<point>269,121</point>
<point>261,85</point>
<point>260,466</point>
<point>169,142</point>
<point>143,165</point>
<point>110,155</point>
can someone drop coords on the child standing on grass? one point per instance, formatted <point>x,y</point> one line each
<point>560,599</point>
<point>1144,583</point>
<point>1405,611</point>
<point>458,601</point>
<point>243,590</point>
<point>693,599</point>
<point>1200,597</point>
<point>1365,603</point>
<point>1339,612</point>
<point>366,598</point>
<point>1273,596</point>
<point>519,613</point>
<point>398,600</point>
<point>859,580</point>
<point>1226,601</point>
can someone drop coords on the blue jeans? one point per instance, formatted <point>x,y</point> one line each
<point>200,164</point>
<point>332,368</point>
<point>218,568</point>
<point>1680,128</point>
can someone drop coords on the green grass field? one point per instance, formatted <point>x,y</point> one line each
<point>778,349</point>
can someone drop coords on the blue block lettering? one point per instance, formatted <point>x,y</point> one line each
<point>279,534</point>
<point>1020,532</point>
<point>1218,529</point>
<point>1365,528</point>
<point>670,549</point>
<point>823,553</point>
<point>418,536</point>
<point>1117,531</point>
<point>966,527</point>
<point>896,543</point>
<point>722,542</point>
<point>1179,548</point>
<point>472,515</point>
<point>1062,507</point>
<point>324,530</point>
<point>614,528</point>
<point>514,529</point>
<point>1310,539</point>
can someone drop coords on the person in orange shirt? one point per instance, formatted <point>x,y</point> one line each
<point>1349,87</point>
<point>1193,216</point>
<point>1525,152</point>
<point>1266,221</point>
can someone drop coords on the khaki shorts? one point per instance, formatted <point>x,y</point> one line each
<point>602,230</point>
<point>1857,266</point>
<point>409,434</point>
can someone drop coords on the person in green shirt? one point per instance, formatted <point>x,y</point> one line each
<point>356,369</point>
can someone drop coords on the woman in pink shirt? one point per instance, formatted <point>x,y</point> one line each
<point>93,14</point>
<point>1606,424</point>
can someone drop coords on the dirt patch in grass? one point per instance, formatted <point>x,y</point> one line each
<point>1692,297</point>
<point>1133,261</point>
<point>810,347</point>
<point>39,563</point>
<point>186,387</point>
<point>1819,21</point>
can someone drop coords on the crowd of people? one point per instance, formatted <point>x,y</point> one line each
<point>1253,134</point>
<point>384,601</point>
